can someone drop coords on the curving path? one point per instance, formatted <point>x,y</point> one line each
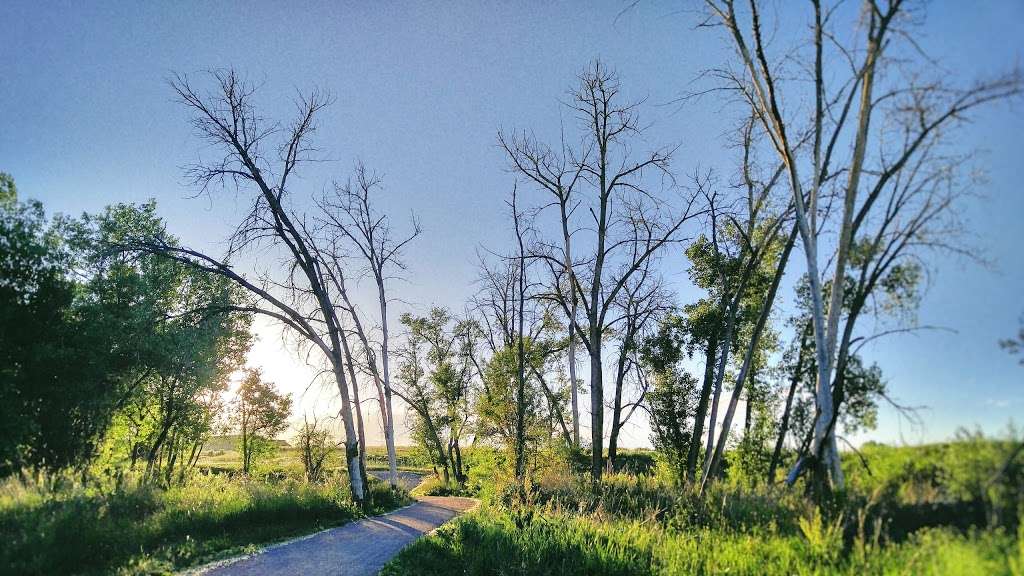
<point>354,549</point>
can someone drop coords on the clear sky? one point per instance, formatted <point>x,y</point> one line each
<point>87,119</point>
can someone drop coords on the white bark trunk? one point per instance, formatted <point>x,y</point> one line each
<point>388,416</point>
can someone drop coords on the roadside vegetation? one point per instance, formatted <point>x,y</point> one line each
<point>117,373</point>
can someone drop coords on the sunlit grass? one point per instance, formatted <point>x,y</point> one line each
<point>142,529</point>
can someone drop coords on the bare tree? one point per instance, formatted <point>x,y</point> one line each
<point>843,118</point>
<point>641,302</point>
<point>629,221</point>
<point>257,158</point>
<point>558,173</point>
<point>352,213</point>
<point>315,445</point>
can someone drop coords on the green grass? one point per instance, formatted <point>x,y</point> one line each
<point>222,456</point>
<point>490,542</point>
<point>143,529</point>
<point>951,508</point>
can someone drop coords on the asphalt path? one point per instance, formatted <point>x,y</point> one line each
<point>358,548</point>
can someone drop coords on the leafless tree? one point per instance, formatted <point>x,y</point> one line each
<point>351,213</point>
<point>558,173</point>
<point>845,105</point>
<point>629,220</point>
<point>315,445</point>
<point>257,157</point>
<point>641,302</point>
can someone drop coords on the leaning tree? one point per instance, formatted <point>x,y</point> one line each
<point>257,158</point>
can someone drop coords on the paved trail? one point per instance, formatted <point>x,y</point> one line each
<point>407,480</point>
<point>355,549</point>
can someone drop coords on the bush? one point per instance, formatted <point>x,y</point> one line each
<point>434,486</point>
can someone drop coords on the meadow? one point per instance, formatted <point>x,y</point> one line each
<point>952,508</point>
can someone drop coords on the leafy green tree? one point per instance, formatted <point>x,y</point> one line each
<point>672,399</point>
<point>36,331</point>
<point>496,404</point>
<point>435,380</point>
<point>65,367</point>
<point>183,346</point>
<point>261,413</point>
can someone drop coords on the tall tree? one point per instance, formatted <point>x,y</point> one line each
<point>630,218</point>
<point>258,158</point>
<point>436,378</point>
<point>848,94</point>
<point>352,213</point>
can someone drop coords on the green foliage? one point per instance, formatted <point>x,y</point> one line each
<point>973,480</point>
<point>261,412</point>
<point>911,515</point>
<point>490,542</point>
<point>434,374</point>
<point>105,352</point>
<point>643,525</point>
<point>8,191</point>
<point>495,407</point>
<point>671,402</point>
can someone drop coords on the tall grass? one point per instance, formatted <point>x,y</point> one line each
<point>134,528</point>
<point>926,510</point>
<point>492,542</point>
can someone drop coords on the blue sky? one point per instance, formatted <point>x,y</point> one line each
<point>87,119</point>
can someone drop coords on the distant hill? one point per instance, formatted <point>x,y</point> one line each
<point>231,442</point>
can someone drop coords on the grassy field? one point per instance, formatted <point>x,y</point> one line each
<point>221,455</point>
<point>62,527</point>
<point>946,509</point>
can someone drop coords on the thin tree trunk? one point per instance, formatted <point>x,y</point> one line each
<point>556,410</point>
<point>746,416</point>
<point>723,358</point>
<point>787,411</point>
<point>620,377</point>
<point>386,409</point>
<point>360,430</point>
<point>573,303</point>
<point>755,339</point>
<point>596,406</point>
<point>520,452</point>
<point>692,453</point>
<point>355,474</point>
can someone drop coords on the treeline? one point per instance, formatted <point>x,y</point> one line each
<point>815,241</point>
